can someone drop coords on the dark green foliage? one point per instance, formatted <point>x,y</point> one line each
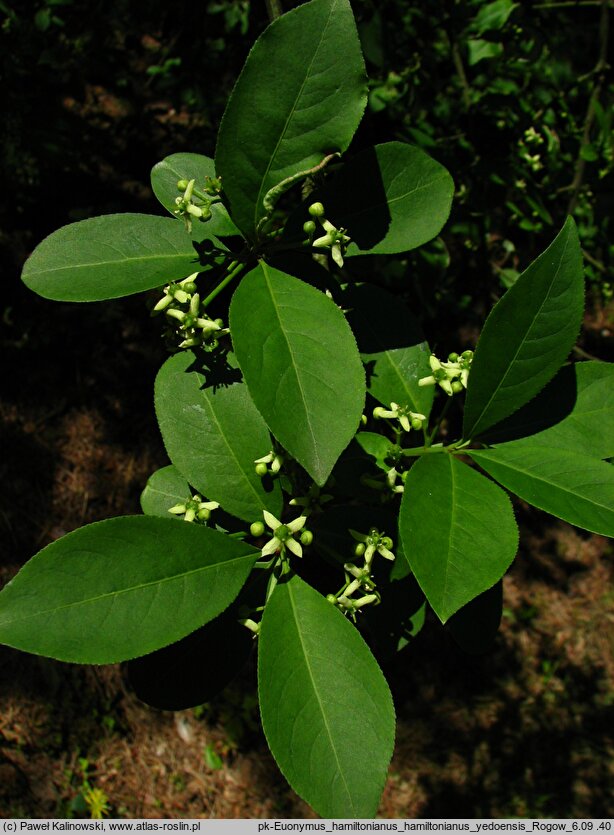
<point>314,436</point>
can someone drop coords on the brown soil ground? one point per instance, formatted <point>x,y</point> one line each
<point>525,730</point>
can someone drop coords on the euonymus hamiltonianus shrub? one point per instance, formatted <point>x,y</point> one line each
<point>311,429</point>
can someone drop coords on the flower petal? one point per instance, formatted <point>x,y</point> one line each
<point>271,521</point>
<point>271,547</point>
<point>297,524</point>
<point>294,546</point>
<point>388,555</point>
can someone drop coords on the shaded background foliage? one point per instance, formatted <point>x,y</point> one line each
<point>515,99</point>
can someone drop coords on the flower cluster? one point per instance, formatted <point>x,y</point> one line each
<point>269,464</point>
<point>358,579</point>
<point>186,316</point>
<point>334,239</point>
<point>409,420</point>
<point>452,376</point>
<point>194,509</point>
<point>194,204</point>
<point>283,535</point>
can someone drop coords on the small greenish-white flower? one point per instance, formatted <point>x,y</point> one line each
<point>194,509</point>
<point>366,600</point>
<point>283,535</point>
<point>375,542</point>
<point>452,376</point>
<point>271,462</point>
<point>532,136</point>
<point>187,208</point>
<point>177,291</point>
<point>409,420</point>
<point>213,185</point>
<point>334,239</point>
<point>251,625</point>
<point>362,576</point>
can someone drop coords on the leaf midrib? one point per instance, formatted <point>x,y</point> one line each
<point>125,260</point>
<point>290,115</point>
<point>233,454</point>
<point>521,344</point>
<point>532,474</point>
<point>316,693</point>
<point>388,354</point>
<point>312,435</point>
<point>131,589</point>
<point>450,533</point>
<point>350,217</point>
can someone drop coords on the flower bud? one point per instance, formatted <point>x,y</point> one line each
<point>256,528</point>
<point>309,227</point>
<point>457,386</point>
<point>306,537</point>
<point>261,469</point>
<point>416,424</point>
<point>316,210</point>
<point>359,549</point>
<point>182,185</point>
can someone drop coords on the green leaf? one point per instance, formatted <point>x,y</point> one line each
<point>326,709</point>
<point>196,668</point>
<point>164,489</point>
<point>392,347</point>
<point>110,256</point>
<point>480,50</point>
<point>528,335</point>
<point>589,153</point>
<point>213,434</point>
<point>378,446</point>
<point>164,178</point>
<point>301,365</point>
<point>492,16</point>
<point>390,198</point>
<point>458,531</point>
<point>575,412</point>
<point>121,588</point>
<point>299,98</point>
<point>566,484</point>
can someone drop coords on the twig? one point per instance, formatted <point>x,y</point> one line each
<point>584,354</point>
<point>460,69</point>
<point>597,264</point>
